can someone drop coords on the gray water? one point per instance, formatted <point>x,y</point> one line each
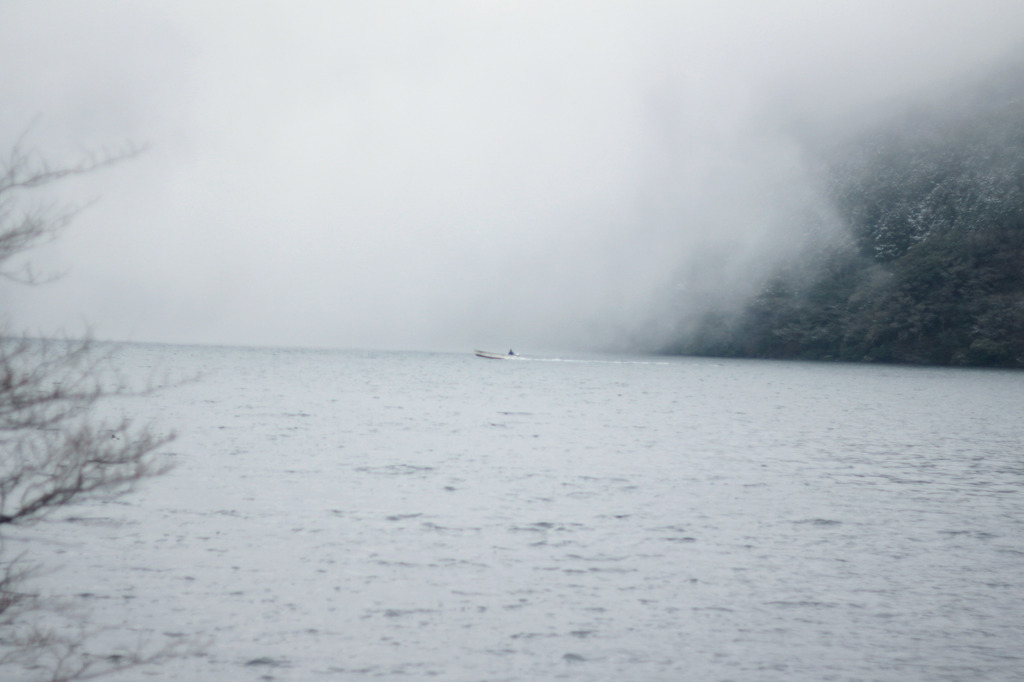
<point>350,516</point>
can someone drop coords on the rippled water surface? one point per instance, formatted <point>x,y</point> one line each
<point>358,516</point>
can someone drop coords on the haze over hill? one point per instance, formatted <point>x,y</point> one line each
<point>454,174</point>
<point>928,267</point>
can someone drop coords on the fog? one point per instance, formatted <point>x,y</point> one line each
<point>444,175</point>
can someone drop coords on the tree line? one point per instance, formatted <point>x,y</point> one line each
<point>931,270</point>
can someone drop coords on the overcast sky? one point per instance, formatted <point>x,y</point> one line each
<point>444,175</point>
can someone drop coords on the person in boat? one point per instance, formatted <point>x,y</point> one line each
<point>510,352</point>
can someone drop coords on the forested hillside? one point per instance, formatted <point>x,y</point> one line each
<point>932,271</point>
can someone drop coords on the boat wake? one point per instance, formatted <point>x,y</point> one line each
<point>603,361</point>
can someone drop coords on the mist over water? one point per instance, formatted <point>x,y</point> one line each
<point>455,174</point>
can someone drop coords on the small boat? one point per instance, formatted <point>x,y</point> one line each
<point>496,356</point>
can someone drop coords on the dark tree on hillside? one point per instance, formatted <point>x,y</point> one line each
<point>933,272</point>
<point>54,450</point>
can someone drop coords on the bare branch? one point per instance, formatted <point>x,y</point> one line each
<point>54,449</point>
<point>22,229</point>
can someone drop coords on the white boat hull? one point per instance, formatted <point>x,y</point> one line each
<point>495,356</point>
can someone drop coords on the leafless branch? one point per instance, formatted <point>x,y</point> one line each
<point>23,228</point>
<point>54,448</point>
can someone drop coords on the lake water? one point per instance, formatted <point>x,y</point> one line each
<point>350,516</point>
